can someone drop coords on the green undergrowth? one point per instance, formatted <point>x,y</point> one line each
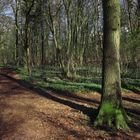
<point>52,79</point>
<point>131,84</point>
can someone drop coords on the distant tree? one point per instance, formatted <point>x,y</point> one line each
<point>28,7</point>
<point>15,8</point>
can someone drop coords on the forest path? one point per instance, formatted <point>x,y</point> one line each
<point>32,114</point>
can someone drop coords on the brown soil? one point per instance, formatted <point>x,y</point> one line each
<point>27,113</point>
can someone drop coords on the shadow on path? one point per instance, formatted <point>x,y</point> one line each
<point>131,100</point>
<point>89,111</point>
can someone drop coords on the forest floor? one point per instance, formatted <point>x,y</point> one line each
<point>28,113</point>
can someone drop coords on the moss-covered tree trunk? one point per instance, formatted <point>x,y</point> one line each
<point>111,112</point>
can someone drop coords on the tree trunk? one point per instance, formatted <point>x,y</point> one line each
<point>111,112</point>
<point>26,48</point>
<point>16,45</point>
<point>42,45</point>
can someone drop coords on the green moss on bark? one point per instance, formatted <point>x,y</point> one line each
<point>111,116</point>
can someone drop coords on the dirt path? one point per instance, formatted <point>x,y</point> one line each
<point>45,115</point>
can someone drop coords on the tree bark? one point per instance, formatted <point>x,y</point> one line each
<point>111,112</point>
<point>16,24</point>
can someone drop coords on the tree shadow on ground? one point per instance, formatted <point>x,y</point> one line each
<point>131,100</point>
<point>8,127</point>
<point>89,111</point>
<point>135,121</point>
<point>74,96</point>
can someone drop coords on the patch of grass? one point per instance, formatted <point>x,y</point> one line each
<point>73,86</point>
<point>79,84</point>
<point>1,65</point>
<point>54,82</point>
<point>131,87</point>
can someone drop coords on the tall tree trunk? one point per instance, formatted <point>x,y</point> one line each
<point>26,47</point>
<point>16,24</point>
<point>42,37</point>
<point>26,41</point>
<point>111,112</point>
<point>42,45</point>
<point>138,7</point>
